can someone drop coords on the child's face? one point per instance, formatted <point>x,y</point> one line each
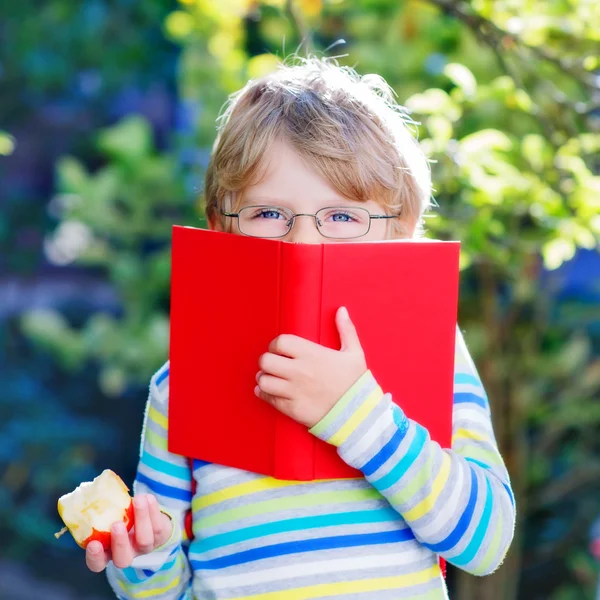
<point>292,184</point>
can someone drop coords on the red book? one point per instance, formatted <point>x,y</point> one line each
<point>232,295</point>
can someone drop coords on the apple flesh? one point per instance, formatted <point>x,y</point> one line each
<point>89,511</point>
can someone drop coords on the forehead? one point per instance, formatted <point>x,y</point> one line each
<point>287,179</point>
<point>286,176</point>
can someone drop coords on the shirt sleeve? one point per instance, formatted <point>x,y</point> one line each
<point>165,573</point>
<point>457,501</point>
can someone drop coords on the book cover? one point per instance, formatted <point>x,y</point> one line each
<point>232,295</point>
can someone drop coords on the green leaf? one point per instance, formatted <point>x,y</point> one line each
<point>7,143</point>
<point>522,100</point>
<point>129,140</point>
<point>434,102</point>
<point>485,140</point>
<point>503,85</point>
<point>179,25</point>
<point>112,380</point>
<point>261,65</point>
<point>535,150</point>
<point>557,251</point>
<point>72,176</point>
<point>50,330</point>
<point>575,165</point>
<point>440,128</point>
<point>105,186</point>
<point>462,77</point>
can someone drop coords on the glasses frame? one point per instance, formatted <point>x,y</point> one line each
<point>292,220</point>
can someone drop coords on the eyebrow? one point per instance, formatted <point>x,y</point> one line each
<point>283,202</point>
<point>261,199</point>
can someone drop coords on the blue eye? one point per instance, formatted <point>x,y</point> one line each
<point>342,217</point>
<point>269,214</point>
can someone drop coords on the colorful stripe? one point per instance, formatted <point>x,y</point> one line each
<point>398,582</point>
<point>299,524</point>
<point>161,489</point>
<point>262,539</point>
<point>285,503</point>
<point>467,397</point>
<point>400,468</point>
<point>305,546</point>
<point>162,375</point>
<point>385,453</point>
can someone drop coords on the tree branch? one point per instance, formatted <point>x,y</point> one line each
<point>567,485</point>
<point>493,35</point>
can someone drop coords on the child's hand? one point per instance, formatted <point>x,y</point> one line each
<point>151,529</point>
<point>304,380</point>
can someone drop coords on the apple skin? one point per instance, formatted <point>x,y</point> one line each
<point>104,536</point>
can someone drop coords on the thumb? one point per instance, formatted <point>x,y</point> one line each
<point>347,331</point>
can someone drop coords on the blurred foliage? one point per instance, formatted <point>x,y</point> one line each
<point>7,144</point>
<point>57,431</point>
<point>94,45</point>
<point>117,219</point>
<point>67,71</point>
<point>507,99</point>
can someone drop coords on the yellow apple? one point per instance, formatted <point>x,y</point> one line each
<point>89,511</point>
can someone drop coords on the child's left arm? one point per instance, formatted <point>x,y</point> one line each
<point>458,501</point>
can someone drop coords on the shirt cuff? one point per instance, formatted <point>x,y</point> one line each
<point>349,411</point>
<point>361,421</point>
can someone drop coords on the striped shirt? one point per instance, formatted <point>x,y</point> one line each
<point>370,538</point>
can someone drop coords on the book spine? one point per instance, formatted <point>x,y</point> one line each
<point>299,314</point>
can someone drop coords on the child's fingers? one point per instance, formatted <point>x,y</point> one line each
<point>277,365</point>
<point>122,551</point>
<point>161,523</point>
<point>282,404</point>
<point>290,345</point>
<point>96,558</point>
<point>274,386</point>
<point>348,334</point>
<point>142,529</point>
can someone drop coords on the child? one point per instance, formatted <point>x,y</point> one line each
<point>301,155</point>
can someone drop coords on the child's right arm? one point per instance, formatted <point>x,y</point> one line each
<point>165,572</point>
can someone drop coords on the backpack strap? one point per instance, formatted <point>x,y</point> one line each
<point>189,531</point>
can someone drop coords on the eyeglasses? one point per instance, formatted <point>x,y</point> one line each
<point>334,222</point>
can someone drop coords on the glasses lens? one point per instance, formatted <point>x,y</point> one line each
<point>342,222</point>
<point>265,221</point>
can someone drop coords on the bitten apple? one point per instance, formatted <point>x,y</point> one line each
<point>89,511</point>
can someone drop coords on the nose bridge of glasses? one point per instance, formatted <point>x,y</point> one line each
<point>314,217</point>
<point>304,232</point>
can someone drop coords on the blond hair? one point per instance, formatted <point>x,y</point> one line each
<point>349,129</point>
